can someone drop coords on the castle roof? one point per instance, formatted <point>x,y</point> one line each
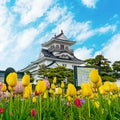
<point>60,38</point>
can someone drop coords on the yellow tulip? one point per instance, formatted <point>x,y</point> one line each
<point>30,88</point>
<point>107,86</point>
<point>86,91</point>
<point>97,104</point>
<point>99,83</point>
<point>12,79</point>
<point>26,93</point>
<point>53,86</point>
<point>59,91</point>
<point>25,80</point>
<point>69,98</point>
<point>54,80</point>
<point>102,90</point>
<point>51,91</point>
<point>41,87</point>
<point>34,99</point>
<point>4,88</point>
<point>45,95</point>
<point>113,86</point>
<point>62,85</point>
<point>94,76</point>
<point>11,88</point>
<point>71,91</point>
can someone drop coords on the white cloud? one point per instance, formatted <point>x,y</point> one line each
<point>106,28</point>
<point>83,53</point>
<point>5,29</point>
<point>81,31</point>
<point>31,10</point>
<point>25,39</point>
<point>55,13</point>
<point>89,3</point>
<point>111,50</point>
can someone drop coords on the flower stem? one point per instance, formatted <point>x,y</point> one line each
<point>88,107</point>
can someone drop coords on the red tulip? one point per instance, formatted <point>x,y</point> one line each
<point>1,110</point>
<point>78,102</point>
<point>33,112</point>
<point>37,93</point>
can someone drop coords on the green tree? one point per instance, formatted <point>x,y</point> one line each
<point>60,72</point>
<point>116,69</point>
<point>103,64</point>
<point>90,62</point>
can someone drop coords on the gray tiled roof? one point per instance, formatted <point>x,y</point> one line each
<point>50,54</point>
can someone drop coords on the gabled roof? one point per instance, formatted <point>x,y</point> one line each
<point>60,38</point>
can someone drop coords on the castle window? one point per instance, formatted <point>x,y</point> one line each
<point>57,46</point>
<point>64,65</point>
<point>66,47</point>
<point>62,47</point>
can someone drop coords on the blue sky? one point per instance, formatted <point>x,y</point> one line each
<point>26,24</point>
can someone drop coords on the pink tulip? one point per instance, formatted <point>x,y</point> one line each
<point>68,104</point>
<point>47,83</point>
<point>1,85</point>
<point>7,95</point>
<point>19,87</point>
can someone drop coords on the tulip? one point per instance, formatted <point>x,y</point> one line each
<point>86,91</point>
<point>19,87</point>
<point>41,87</point>
<point>71,91</point>
<point>1,85</point>
<point>51,91</point>
<point>94,77</point>
<point>26,93</point>
<point>53,86</point>
<point>102,90</point>
<point>4,88</point>
<point>12,79</point>
<point>1,110</point>
<point>68,104</point>
<point>45,95</point>
<point>25,80</point>
<point>113,86</point>
<point>107,86</point>
<point>99,83</point>
<point>54,80</point>
<point>69,98</point>
<point>78,102</point>
<point>97,104</point>
<point>7,94</point>
<point>47,83</point>
<point>59,91</point>
<point>62,85</point>
<point>34,100</point>
<point>33,112</point>
<point>36,93</point>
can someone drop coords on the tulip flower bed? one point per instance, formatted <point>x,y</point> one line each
<point>94,101</point>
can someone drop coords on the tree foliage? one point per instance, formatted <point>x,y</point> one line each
<point>60,72</point>
<point>103,64</point>
<point>116,69</point>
